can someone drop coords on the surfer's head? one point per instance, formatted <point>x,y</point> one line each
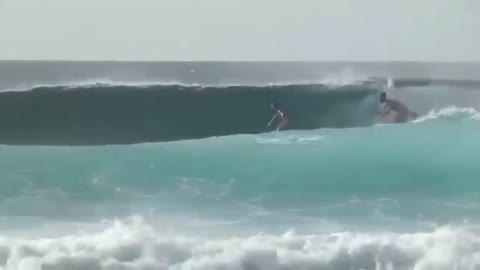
<point>275,106</point>
<point>383,97</point>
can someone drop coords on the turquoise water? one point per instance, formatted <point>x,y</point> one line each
<point>142,166</point>
<point>381,196</point>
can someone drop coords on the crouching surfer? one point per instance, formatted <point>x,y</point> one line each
<point>284,121</point>
<point>403,113</point>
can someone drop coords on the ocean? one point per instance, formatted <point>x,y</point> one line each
<point>169,165</point>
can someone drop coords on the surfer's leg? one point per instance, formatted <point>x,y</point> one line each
<point>401,117</point>
<point>283,125</point>
<point>414,115</point>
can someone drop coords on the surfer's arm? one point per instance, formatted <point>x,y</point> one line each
<point>273,119</point>
<point>386,110</point>
<point>382,112</point>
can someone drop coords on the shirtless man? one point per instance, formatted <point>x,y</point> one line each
<point>402,111</point>
<point>279,112</point>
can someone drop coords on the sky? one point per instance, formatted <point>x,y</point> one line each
<point>240,30</point>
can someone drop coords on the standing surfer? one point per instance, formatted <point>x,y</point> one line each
<point>279,112</point>
<point>403,113</point>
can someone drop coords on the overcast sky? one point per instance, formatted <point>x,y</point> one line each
<point>424,30</point>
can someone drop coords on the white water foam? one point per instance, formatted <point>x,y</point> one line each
<point>344,77</point>
<point>134,244</point>
<point>291,139</point>
<point>450,113</point>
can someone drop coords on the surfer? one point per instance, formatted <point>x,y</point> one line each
<point>279,112</point>
<point>403,113</point>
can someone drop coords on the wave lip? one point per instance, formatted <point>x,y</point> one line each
<point>331,82</point>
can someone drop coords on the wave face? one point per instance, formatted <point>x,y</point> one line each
<point>92,103</point>
<point>109,114</point>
